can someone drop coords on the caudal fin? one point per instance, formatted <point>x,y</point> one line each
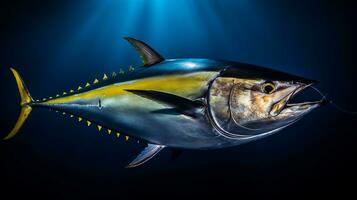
<point>26,99</point>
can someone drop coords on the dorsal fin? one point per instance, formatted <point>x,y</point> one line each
<point>147,54</point>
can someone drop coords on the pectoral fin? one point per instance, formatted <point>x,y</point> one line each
<point>179,104</point>
<point>149,152</point>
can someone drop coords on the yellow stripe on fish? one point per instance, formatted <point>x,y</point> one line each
<point>183,85</point>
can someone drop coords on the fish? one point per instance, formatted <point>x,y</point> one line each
<point>186,103</point>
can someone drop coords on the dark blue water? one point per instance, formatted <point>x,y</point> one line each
<point>59,45</point>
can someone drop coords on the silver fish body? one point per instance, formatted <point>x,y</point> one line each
<point>183,103</point>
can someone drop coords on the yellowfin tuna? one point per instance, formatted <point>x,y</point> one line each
<point>181,103</point>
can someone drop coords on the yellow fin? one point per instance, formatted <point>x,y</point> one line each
<point>87,85</point>
<point>25,107</point>
<point>99,127</point>
<point>95,81</point>
<point>109,131</point>
<point>25,111</point>
<point>79,88</point>
<point>118,134</point>
<point>126,138</point>
<point>89,123</point>
<point>105,77</point>
<point>79,119</point>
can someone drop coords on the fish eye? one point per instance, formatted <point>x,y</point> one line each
<point>268,87</point>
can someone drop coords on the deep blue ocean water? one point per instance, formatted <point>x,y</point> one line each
<point>59,45</point>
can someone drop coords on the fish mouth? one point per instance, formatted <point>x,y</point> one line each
<point>286,107</point>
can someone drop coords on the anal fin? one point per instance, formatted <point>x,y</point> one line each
<point>149,152</point>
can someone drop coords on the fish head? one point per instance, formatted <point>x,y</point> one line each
<point>258,101</point>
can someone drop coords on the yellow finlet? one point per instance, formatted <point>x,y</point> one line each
<point>118,134</point>
<point>44,99</point>
<point>126,138</point>
<point>121,71</point>
<point>87,85</point>
<point>95,81</point>
<point>105,77</point>
<point>71,91</point>
<point>109,131</point>
<point>71,116</point>
<point>114,74</point>
<point>131,68</point>
<point>57,95</point>
<point>63,113</point>
<point>50,97</point>
<point>89,123</point>
<point>79,88</point>
<point>64,93</point>
<point>99,127</point>
<point>79,119</point>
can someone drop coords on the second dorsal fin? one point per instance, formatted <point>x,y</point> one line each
<point>147,54</point>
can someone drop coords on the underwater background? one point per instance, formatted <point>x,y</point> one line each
<point>58,45</point>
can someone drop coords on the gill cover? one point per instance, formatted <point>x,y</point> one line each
<point>26,99</point>
<point>222,110</point>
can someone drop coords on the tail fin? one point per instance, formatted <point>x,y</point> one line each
<point>26,99</point>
